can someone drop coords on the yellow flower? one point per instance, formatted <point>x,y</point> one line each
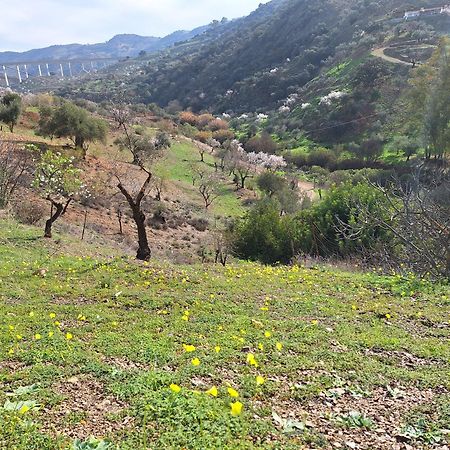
<point>11,327</point>
<point>217,348</point>
<point>354,307</point>
<point>264,308</point>
<point>175,388</point>
<point>195,362</point>
<point>115,324</point>
<point>233,393</point>
<point>314,322</point>
<point>37,336</point>
<point>81,317</point>
<point>24,409</point>
<point>185,318</point>
<point>52,315</point>
<point>251,360</point>
<point>11,351</point>
<point>236,408</point>
<point>267,334</point>
<point>31,314</point>
<point>213,392</point>
<point>19,337</point>
<point>279,346</point>
<point>57,324</point>
<point>189,348</point>
<point>260,380</point>
<point>388,316</point>
<point>69,336</point>
<point>261,346</point>
<point>50,334</point>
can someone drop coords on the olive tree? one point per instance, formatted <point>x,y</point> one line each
<point>71,121</point>
<point>10,109</point>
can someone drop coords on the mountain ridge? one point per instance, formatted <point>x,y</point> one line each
<point>120,46</point>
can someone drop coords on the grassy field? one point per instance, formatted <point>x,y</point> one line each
<point>159,356</point>
<point>177,168</point>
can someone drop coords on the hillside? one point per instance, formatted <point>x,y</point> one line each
<point>286,54</point>
<point>120,46</point>
<point>153,355</point>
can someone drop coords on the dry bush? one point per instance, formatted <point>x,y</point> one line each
<point>28,212</point>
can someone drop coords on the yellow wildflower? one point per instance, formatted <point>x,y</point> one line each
<point>195,362</point>
<point>236,408</point>
<point>37,336</point>
<point>260,380</point>
<point>267,334</point>
<point>217,348</point>
<point>213,392</point>
<point>24,409</point>
<point>233,393</point>
<point>50,334</point>
<point>189,348</point>
<point>251,360</point>
<point>175,388</point>
<point>279,346</point>
<point>52,315</point>
<point>69,336</point>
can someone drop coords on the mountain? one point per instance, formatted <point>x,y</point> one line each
<point>332,70</point>
<point>257,61</point>
<point>120,46</point>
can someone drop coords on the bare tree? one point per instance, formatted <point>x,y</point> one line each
<point>223,245</point>
<point>14,163</point>
<point>416,216</point>
<point>145,150</point>
<point>134,200</point>
<point>209,189</point>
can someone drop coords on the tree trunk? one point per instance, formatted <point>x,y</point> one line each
<point>54,217</point>
<point>144,253</point>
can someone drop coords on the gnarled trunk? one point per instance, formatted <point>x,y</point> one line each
<point>60,210</point>
<point>144,253</point>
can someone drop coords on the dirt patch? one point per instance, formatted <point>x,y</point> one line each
<point>402,358</point>
<point>11,366</point>
<point>124,364</point>
<point>384,409</point>
<point>86,410</point>
<point>56,300</point>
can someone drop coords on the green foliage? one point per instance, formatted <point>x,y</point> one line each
<point>92,444</point>
<point>56,175</point>
<point>264,234</point>
<point>74,122</point>
<point>355,419</point>
<point>10,109</point>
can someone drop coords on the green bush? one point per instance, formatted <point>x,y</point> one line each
<point>266,236</point>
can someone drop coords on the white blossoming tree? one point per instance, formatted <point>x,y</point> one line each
<point>59,182</point>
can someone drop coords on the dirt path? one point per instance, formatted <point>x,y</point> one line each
<point>379,53</point>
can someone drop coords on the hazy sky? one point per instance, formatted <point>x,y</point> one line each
<point>27,24</point>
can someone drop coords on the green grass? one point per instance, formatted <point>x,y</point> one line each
<point>177,167</point>
<point>127,327</point>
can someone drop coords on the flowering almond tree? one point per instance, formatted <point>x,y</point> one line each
<point>59,183</point>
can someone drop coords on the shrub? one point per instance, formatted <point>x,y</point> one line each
<point>322,157</point>
<point>28,212</point>
<point>203,136</point>
<point>263,234</point>
<point>199,223</point>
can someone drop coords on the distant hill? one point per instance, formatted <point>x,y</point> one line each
<point>120,46</point>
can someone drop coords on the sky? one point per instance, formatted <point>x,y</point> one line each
<point>29,24</point>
